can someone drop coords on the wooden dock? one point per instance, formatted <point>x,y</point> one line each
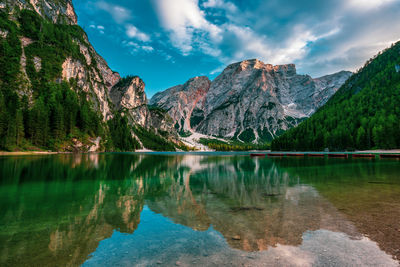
<point>275,155</point>
<point>320,155</point>
<point>363,155</point>
<point>294,155</point>
<point>257,155</point>
<point>329,155</point>
<point>337,155</point>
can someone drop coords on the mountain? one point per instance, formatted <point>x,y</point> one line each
<point>57,93</point>
<point>249,101</point>
<point>180,101</point>
<point>363,114</point>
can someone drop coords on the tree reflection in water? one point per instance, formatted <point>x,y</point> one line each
<point>56,209</point>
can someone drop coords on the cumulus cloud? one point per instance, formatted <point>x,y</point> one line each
<point>99,28</point>
<point>184,20</point>
<point>119,13</point>
<point>363,33</point>
<point>133,32</point>
<point>363,5</point>
<point>123,20</point>
<point>229,6</point>
<point>136,48</point>
<point>190,31</point>
<point>147,48</point>
<point>319,36</point>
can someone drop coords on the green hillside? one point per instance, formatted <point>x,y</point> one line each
<point>50,114</point>
<point>363,114</point>
<point>43,112</point>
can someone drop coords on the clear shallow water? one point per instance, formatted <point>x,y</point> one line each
<point>206,210</point>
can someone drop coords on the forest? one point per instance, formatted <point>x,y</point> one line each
<point>232,145</point>
<point>51,112</point>
<point>363,114</point>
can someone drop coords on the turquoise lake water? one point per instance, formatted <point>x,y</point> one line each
<point>214,209</point>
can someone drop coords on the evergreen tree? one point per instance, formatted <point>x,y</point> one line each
<point>19,122</point>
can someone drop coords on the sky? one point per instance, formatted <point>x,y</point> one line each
<point>167,42</point>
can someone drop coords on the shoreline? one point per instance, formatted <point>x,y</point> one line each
<point>30,153</point>
<point>379,151</point>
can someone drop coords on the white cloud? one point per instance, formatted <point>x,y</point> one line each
<point>100,28</point>
<point>251,44</point>
<point>119,13</point>
<point>220,4</point>
<point>133,32</point>
<point>135,47</point>
<point>130,43</point>
<point>183,19</point>
<point>189,30</point>
<point>338,34</point>
<point>147,48</point>
<point>363,5</point>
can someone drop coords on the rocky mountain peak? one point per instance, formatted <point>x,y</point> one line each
<point>288,69</point>
<point>256,64</point>
<point>251,64</point>
<point>249,100</point>
<point>137,83</point>
<point>180,101</point>
<point>61,11</point>
<point>128,96</point>
<point>128,93</point>
<point>197,83</point>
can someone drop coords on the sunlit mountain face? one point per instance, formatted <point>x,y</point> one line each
<point>97,209</point>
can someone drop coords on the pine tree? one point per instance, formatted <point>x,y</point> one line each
<point>19,122</point>
<point>361,138</point>
<point>3,122</point>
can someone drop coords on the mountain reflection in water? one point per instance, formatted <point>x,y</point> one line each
<point>97,209</point>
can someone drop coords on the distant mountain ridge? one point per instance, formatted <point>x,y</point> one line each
<point>249,101</point>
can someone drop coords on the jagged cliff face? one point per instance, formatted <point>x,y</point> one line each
<point>92,75</point>
<point>60,11</point>
<point>95,77</point>
<point>328,85</point>
<point>250,100</point>
<point>130,97</point>
<point>181,100</point>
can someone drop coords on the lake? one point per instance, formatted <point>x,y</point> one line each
<point>177,209</point>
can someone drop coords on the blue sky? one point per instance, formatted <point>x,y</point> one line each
<point>166,42</point>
